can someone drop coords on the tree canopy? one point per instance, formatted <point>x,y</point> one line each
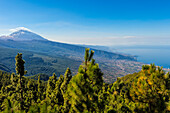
<point>147,91</point>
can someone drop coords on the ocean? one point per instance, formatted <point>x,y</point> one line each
<point>160,55</point>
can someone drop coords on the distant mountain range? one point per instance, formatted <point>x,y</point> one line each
<point>44,56</point>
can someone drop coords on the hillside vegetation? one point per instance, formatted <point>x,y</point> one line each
<point>147,91</point>
<point>47,57</point>
<point>37,62</point>
<point>57,61</point>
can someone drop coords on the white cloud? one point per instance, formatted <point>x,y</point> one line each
<point>128,37</point>
<point>113,37</point>
<point>19,28</point>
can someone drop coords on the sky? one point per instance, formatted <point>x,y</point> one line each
<point>92,22</point>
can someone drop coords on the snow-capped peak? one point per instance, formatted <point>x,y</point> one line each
<point>22,33</point>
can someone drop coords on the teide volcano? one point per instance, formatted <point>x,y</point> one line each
<point>44,56</point>
<point>22,35</point>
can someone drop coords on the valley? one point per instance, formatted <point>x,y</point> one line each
<point>48,57</point>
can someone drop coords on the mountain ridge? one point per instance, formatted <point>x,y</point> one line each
<point>112,64</point>
<point>21,35</point>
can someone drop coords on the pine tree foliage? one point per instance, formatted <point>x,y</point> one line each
<point>84,86</point>
<point>20,70</point>
<point>147,91</point>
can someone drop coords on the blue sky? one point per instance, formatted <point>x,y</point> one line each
<point>97,22</point>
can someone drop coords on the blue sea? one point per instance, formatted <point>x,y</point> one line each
<point>160,55</point>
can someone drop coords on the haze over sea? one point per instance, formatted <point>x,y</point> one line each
<point>160,55</point>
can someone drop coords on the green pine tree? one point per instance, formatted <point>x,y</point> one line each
<point>84,87</point>
<point>20,70</point>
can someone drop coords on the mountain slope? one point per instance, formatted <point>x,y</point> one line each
<point>61,48</point>
<point>23,35</point>
<point>112,64</point>
<point>36,62</point>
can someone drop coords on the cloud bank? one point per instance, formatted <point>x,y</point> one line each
<point>19,28</point>
<point>128,37</point>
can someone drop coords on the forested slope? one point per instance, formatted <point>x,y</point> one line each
<point>147,91</point>
<point>47,59</point>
